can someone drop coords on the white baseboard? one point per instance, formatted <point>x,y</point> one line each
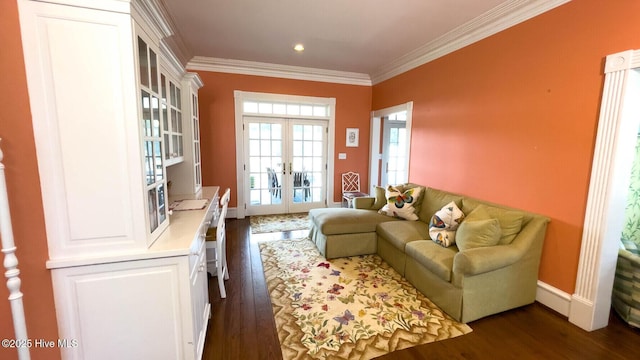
<point>553,298</point>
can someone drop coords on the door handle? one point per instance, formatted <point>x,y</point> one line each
<point>284,168</point>
<point>290,168</point>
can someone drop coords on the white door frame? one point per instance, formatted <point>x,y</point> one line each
<point>375,152</point>
<point>240,97</point>
<point>616,139</point>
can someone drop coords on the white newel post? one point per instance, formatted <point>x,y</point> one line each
<point>617,135</point>
<point>12,273</point>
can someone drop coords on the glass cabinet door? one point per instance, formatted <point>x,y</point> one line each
<point>153,116</point>
<point>172,130</point>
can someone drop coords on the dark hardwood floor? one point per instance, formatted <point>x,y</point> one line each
<point>242,326</point>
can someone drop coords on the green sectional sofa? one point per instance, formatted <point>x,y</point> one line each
<point>480,280</point>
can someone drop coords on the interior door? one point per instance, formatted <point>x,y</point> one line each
<point>286,165</point>
<point>394,152</point>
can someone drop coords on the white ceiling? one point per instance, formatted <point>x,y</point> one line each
<point>366,37</point>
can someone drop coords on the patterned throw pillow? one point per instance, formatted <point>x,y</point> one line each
<point>400,204</point>
<point>444,223</point>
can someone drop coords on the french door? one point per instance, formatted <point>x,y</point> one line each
<point>285,165</point>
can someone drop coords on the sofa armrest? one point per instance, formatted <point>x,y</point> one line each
<point>364,202</point>
<point>483,259</point>
<point>528,243</point>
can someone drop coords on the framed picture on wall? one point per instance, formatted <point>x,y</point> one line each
<point>352,137</point>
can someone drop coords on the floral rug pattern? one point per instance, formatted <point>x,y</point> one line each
<point>356,307</point>
<point>282,222</point>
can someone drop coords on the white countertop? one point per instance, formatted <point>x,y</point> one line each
<point>175,240</point>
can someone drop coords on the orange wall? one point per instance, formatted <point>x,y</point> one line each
<point>25,202</point>
<point>512,119</point>
<point>217,114</point>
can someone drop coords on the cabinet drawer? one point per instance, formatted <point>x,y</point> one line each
<point>195,256</point>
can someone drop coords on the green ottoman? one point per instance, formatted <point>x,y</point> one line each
<point>340,232</point>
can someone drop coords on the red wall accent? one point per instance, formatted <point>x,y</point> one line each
<point>217,114</point>
<point>512,119</point>
<point>25,202</point>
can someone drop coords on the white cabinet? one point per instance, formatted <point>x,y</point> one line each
<point>186,177</point>
<point>84,105</point>
<point>172,120</point>
<point>150,93</point>
<point>125,310</point>
<point>123,277</point>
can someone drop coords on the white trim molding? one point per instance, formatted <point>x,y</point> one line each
<point>239,98</point>
<point>616,139</point>
<point>375,150</point>
<point>501,17</point>
<point>203,63</point>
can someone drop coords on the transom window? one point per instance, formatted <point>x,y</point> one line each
<point>291,109</point>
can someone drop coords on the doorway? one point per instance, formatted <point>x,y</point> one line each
<point>390,145</point>
<point>616,138</point>
<point>284,152</point>
<point>285,158</point>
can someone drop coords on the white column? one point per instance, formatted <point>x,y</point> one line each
<point>12,273</point>
<point>613,156</point>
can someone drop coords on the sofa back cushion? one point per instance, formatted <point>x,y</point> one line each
<point>478,233</point>
<point>510,220</point>
<point>434,200</point>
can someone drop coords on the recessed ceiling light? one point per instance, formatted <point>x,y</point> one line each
<point>298,47</point>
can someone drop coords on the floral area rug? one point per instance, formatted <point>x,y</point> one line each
<point>282,222</point>
<point>348,308</point>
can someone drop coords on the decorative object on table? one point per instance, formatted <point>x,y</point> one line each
<point>280,222</point>
<point>348,308</point>
<point>181,205</point>
<point>351,188</point>
<point>353,137</point>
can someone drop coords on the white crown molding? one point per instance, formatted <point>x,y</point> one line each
<point>501,17</point>
<point>493,21</point>
<point>274,70</point>
<point>154,13</point>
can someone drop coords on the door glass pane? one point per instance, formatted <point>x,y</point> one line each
<point>265,163</point>
<point>146,113</point>
<point>162,209</point>
<point>153,61</point>
<point>157,151</point>
<point>163,87</point>
<point>143,62</point>
<point>155,122</point>
<point>148,162</point>
<point>152,206</point>
<point>306,161</point>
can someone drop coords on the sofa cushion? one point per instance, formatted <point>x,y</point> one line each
<point>399,233</point>
<point>434,200</point>
<point>400,203</point>
<point>473,234</point>
<point>332,221</point>
<point>444,223</point>
<point>437,259</point>
<point>418,204</point>
<point>510,221</point>
<point>380,200</point>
